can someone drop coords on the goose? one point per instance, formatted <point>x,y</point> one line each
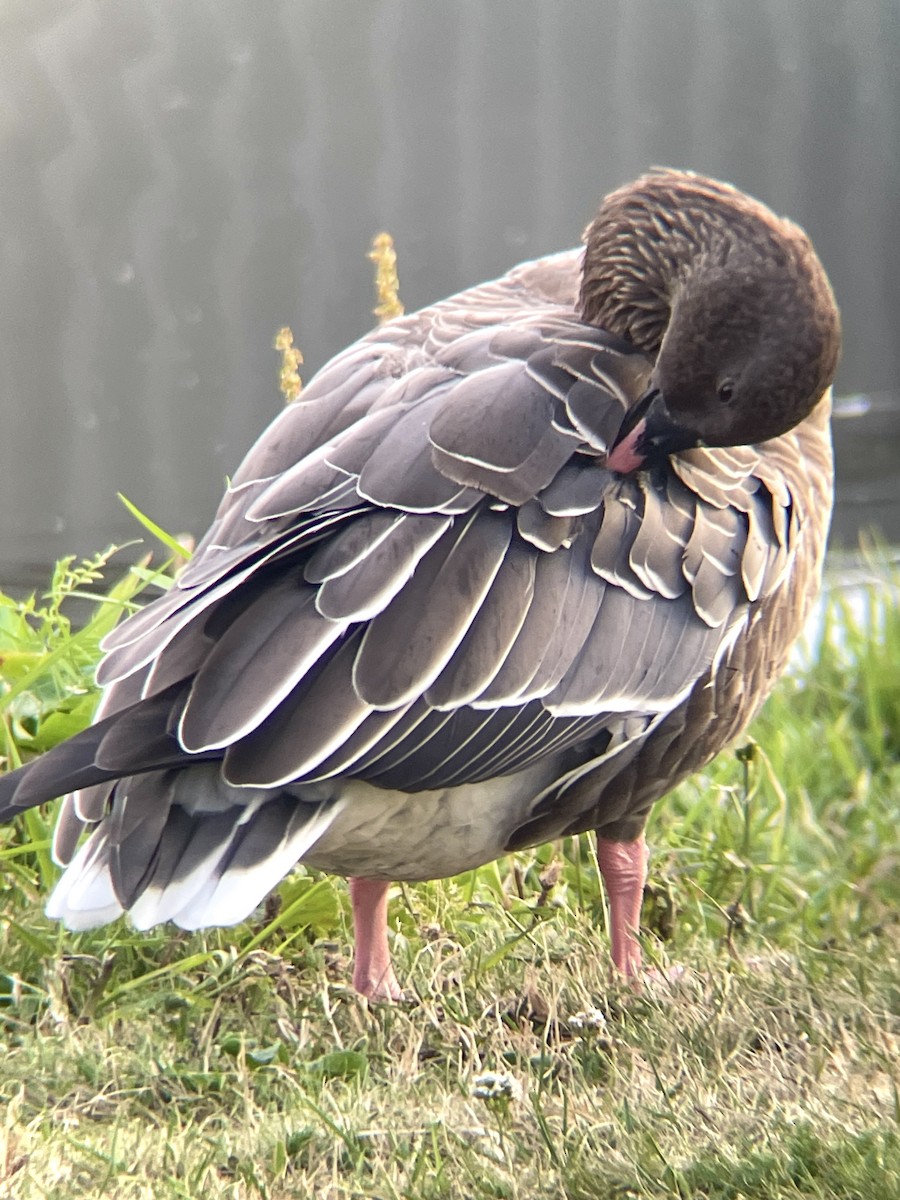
<point>510,568</point>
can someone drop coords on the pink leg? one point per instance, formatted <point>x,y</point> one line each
<point>373,975</point>
<point>623,866</point>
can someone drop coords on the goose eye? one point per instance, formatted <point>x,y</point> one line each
<point>726,392</point>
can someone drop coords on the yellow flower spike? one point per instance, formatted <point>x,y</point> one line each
<point>289,381</point>
<point>387,284</point>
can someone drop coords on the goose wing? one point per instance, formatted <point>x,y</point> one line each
<point>423,575</point>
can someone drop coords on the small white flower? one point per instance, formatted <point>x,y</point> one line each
<point>496,1085</point>
<point>589,1020</point>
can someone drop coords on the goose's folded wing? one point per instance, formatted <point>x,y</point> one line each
<point>423,574</point>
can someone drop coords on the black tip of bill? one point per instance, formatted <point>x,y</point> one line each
<point>648,433</point>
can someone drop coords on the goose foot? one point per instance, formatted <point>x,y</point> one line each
<point>373,974</point>
<point>623,866</point>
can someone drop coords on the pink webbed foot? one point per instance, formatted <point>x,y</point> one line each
<point>623,866</point>
<point>373,974</point>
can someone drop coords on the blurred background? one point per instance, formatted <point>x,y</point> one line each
<point>179,178</point>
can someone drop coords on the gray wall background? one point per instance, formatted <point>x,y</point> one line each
<point>178,178</point>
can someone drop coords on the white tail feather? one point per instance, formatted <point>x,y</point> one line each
<point>232,897</point>
<point>84,897</point>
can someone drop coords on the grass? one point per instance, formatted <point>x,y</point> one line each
<point>239,1063</point>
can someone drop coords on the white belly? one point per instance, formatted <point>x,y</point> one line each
<point>381,834</point>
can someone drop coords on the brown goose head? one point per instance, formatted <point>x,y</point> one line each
<point>729,300</point>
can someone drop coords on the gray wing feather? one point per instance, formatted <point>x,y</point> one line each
<point>653,556</point>
<point>366,588</point>
<point>491,635</point>
<point>141,641</point>
<point>371,736</point>
<point>758,552</point>
<point>408,644</point>
<point>521,411</point>
<point>315,721</point>
<point>340,395</point>
<point>141,733</point>
<point>620,668</point>
<point>592,676</point>
<point>507,738</point>
<point>263,654</point>
<point>141,623</point>
<point>351,545</point>
<point>90,803</point>
<point>619,526</point>
<point>547,533</point>
<point>185,654</point>
<point>711,564</point>
<point>596,423</point>
<point>579,488</point>
<point>401,474</point>
<point>418,730</point>
<point>451,747</point>
<point>555,626</point>
<point>581,602</point>
<point>309,484</point>
<point>516,486</point>
<point>69,828</point>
